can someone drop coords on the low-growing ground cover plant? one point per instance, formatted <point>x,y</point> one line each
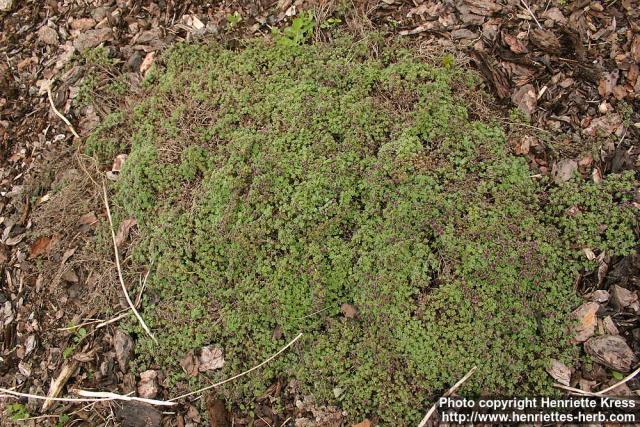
<point>275,183</point>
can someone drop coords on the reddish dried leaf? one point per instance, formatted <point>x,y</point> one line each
<point>514,44</point>
<point>607,83</point>
<point>211,358</point>
<point>148,385</point>
<point>218,414</point>
<point>40,246</point>
<point>348,310</point>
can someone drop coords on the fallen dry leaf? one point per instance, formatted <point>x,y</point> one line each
<point>605,125</point>
<point>123,345</point>
<point>40,246</point>
<point>514,44</point>
<point>189,364</point>
<point>123,230</point>
<point>545,40</point>
<point>48,35</point>
<point>217,412</point>
<point>607,83</point>
<point>88,219</point>
<point>147,62</point>
<point>599,296</point>
<point>70,276</point>
<point>525,99</point>
<point>555,15</point>
<point>564,170</point>
<point>622,297</point>
<point>479,7</point>
<point>211,358</point>
<point>93,38</point>
<point>348,310</point>
<point>611,351</point>
<point>118,162</point>
<point>560,372</point>
<point>82,24</point>
<point>148,384</point>
<point>6,5</point>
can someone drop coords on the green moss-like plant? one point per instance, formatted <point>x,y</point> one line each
<point>273,184</point>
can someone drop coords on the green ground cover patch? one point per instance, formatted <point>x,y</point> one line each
<point>275,183</point>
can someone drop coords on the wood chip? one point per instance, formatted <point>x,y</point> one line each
<point>585,316</point>
<point>611,351</point>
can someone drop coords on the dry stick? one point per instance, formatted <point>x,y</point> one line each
<point>115,319</point>
<point>618,384</point>
<point>239,375</point>
<point>55,399</point>
<point>99,396</point>
<point>117,255</point>
<point>105,395</point>
<point>448,393</point>
<point>59,114</point>
<point>524,3</point>
<point>91,397</point>
<point>58,383</point>
<point>601,392</point>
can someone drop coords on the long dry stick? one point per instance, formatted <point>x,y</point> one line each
<point>90,397</point>
<point>448,393</point>
<point>526,6</point>
<point>117,255</point>
<point>58,113</point>
<point>239,375</point>
<point>100,396</point>
<point>105,395</point>
<point>601,392</point>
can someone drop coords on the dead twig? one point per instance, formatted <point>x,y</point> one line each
<point>526,6</point>
<point>100,396</point>
<point>239,375</point>
<point>119,268</point>
<point>601,392</point>
<point>90,396</point>
<point>448,393</point>
<point>105,395</point>
<point>115,319</point>
<point>58,113</point>
<point>56,385</point>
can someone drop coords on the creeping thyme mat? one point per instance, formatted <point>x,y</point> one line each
<point>348,195</point>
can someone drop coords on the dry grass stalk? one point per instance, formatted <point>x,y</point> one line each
<point>601,392</point>
<point>58,113</point>
<point>99,396</point>
<point>119,268</point>
<point>241,374</point>
<point>448,393</point>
